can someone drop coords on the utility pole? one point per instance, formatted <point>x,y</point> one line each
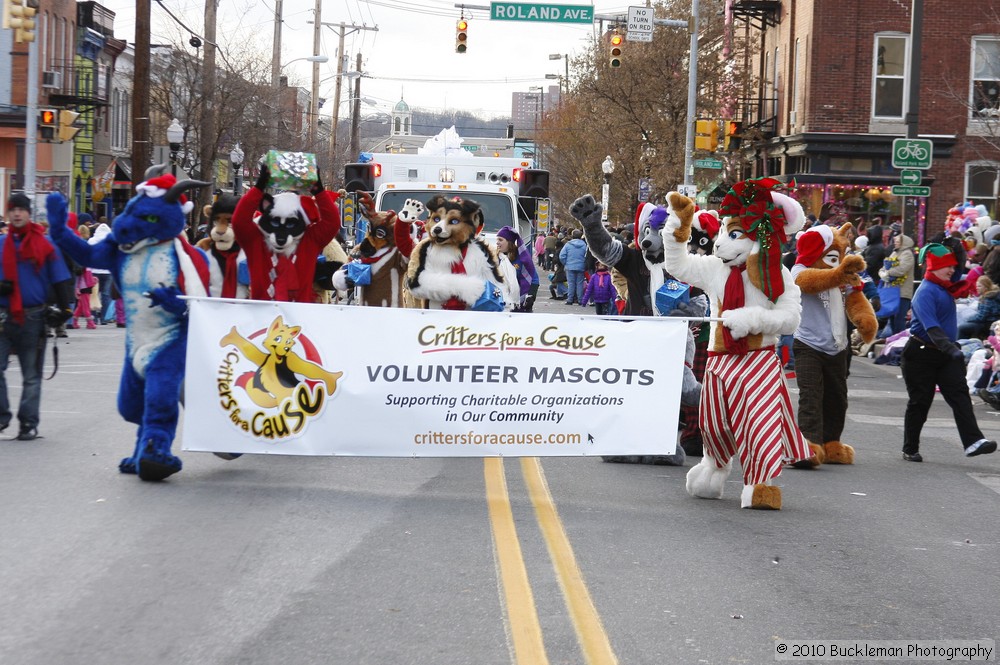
<point>207,133</point>
<point>140,94</point>
<point>344,30</point>
<point>31,126</point>
<point>313,132</point>
<point>356,115</point>
<point>692,108</point>
<point>275,71</point>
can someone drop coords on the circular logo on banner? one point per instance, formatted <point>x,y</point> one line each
<point>272,382</point>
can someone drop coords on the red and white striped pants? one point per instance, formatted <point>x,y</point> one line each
<point>745,408</point>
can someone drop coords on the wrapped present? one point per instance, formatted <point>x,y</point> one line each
<point>491,300</point>
<point>293,171</point>
<point>670,295</point>
<point>359,273</point>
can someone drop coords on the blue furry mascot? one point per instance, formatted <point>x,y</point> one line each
<point>152,263</point>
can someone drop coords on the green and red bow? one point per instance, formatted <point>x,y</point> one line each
<point>751,203</point>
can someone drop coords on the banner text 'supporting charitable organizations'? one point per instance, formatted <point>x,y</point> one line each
<point>298,379</point>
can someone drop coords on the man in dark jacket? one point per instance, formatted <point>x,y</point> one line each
<point>875,253</point>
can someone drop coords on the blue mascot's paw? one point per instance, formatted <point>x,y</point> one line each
<point>55,205</point>
<point>154,461</point>
<point>127,465</point>
<point>166,297</point>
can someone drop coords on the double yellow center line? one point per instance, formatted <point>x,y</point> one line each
<point>526,632</point>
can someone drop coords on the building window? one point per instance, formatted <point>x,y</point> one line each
<point>889,94</point>
<point>793,116</point>
<point>981,184</point>
<point>985,102</point>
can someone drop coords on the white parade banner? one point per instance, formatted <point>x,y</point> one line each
<point>303,379</point>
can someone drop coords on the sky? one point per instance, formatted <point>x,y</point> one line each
<point>411,56</point>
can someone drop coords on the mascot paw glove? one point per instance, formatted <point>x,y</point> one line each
<point>166,297</point>
<point>55,205</point>
<point>263,178</point>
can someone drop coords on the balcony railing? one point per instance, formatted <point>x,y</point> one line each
<point>759,116</point>
<point>72,82</point>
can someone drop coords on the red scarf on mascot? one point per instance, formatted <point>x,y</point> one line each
<point>35,247</point>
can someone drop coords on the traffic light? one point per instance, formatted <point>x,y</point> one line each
<point>19,16</point>
<point>47,124</point>
<point>706,135</point>
<point>67,132</point>
<point>461,35</point>
<point>615,50</point>
<point>734,135</point>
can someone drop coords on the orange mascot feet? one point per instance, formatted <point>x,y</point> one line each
<point>838,453</point>
<point>761,497</point>
<point>818,457</point>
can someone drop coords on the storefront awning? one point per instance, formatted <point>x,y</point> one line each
<point>123,173</point>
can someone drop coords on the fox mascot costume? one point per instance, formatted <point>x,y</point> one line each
<point>831,296</point>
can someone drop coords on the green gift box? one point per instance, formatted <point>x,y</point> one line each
<point>294,171</point>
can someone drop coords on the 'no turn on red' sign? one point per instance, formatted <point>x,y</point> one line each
<point>640,24</point>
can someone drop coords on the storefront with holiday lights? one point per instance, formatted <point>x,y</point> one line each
<point>862,203</point>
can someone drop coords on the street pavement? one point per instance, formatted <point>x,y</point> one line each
<point>267,560</point>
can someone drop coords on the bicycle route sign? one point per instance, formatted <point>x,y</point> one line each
<point>912,153</point>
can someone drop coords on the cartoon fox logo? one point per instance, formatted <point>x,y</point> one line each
<point>278,367</point>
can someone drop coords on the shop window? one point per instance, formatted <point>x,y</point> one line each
<point>981,184</point>
<point>985,99</point>
<point>889,76</point>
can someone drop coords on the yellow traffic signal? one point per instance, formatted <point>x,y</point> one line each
<point>47,124</point>
<point>461,35</point>
<point>67,132</point>
<point>706,135</point>
<point>734,135</point>
<point>19,16</point>
<point>615,51</point>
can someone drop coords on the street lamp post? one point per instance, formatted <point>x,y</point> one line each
<point>608,167</point>
<point>565,81</point>
<point>175,135</point>
<point>236,158</point>
<point>537,92</point>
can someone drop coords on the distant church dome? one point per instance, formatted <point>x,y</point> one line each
<point>402,119</point>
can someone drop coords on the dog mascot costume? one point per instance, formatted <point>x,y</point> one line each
<point>831,296</point>
<point>283,244</point>
<point>152,263</point>
<point>386,250</point>
<point>745,408</point>
<point>451,268</point>
<point>221,245</point>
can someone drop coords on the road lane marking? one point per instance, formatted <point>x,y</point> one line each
<point>522,615</point>
<point>589,630</point>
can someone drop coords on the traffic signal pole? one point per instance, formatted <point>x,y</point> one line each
<point>692,110</point>
<point>31,126</point>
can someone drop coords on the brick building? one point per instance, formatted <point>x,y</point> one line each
<point>828,89</point>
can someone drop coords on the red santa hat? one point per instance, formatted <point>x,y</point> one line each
<point>708,222</point>
<point>160,185</point>
<point>813,243</point>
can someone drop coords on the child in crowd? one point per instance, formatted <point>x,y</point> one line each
<point>557,281</point>
<point>599,290</point>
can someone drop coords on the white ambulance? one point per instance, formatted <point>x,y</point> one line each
<point>510,191</point>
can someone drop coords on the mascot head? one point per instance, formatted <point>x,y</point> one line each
<point>453,221</point>
<point>378,238</point>
<point>220,216</point>
<point>757,221</point>
<point>156,213</point>
<point>283,220</point>
<point>822,246</point>
<point>704,230</point>
<point>649,219</point>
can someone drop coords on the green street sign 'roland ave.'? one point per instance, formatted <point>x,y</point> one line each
<point>523,11</point>
<point>910,190</point>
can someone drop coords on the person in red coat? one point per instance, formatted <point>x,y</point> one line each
<point>282,245</point>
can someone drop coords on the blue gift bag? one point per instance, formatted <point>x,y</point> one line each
<point>242,273</point>
<point>491,300</point>
<point>672,294</point>
<point>359,273</point>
